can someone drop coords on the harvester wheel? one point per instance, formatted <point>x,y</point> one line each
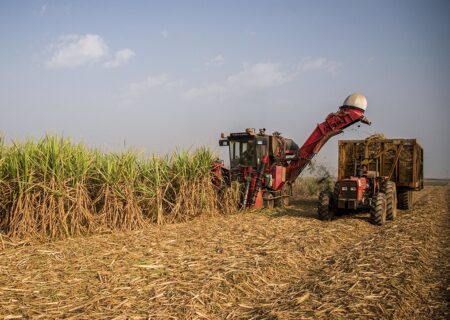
<point>391,200</point>
<point>404,200</point>
<point>284,197</point>
<point>378,209</point>
<point>325,208</point>
<point>268,200</point>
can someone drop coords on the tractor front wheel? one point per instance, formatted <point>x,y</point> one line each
<point>325,208</point>
<point>391,200</point>
<point>378,209</point>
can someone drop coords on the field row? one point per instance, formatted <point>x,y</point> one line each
<point>53,188</point>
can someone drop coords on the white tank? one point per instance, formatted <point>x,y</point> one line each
<point>356,100</point>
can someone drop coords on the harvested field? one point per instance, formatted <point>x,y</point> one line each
<point>273,265</point>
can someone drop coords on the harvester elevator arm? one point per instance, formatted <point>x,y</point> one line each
<point>334,124</point>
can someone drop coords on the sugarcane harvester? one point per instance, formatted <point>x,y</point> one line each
<point>267,165</point>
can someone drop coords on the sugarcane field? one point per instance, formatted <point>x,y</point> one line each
<point>224,160</point>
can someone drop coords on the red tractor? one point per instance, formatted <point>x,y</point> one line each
<point>267,165</point>
<point>365,192</point>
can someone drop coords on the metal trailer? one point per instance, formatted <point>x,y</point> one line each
<point>400,160</point>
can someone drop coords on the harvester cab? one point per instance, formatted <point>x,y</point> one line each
<point>258,162</point>
<point>246,149</point>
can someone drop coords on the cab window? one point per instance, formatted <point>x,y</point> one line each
<point>242,153</point>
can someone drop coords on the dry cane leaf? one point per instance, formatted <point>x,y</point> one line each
<point>303,298</point>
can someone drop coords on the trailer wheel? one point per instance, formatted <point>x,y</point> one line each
<point>325,208</point>
<point>404,199</point>
<point>391,200</point>
<point>378,209</point>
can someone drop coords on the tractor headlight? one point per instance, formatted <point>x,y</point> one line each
<point>344,188</point>
<point>353,188</point>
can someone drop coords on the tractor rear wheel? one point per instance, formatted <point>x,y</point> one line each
<point>404,200</point>
<point>391,200</point>
<point>378,209</point>
<point>325,208</point>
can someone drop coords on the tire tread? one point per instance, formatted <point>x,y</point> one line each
<point>404,200</point>
<point>378,209</point>
<point>324,208</point>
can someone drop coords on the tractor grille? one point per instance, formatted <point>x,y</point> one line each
<point>348,194</point>
<point>348,190</point>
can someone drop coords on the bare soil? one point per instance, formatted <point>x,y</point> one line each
<point>270,265</point>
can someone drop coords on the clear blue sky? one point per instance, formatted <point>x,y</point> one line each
<point>162,75</point>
